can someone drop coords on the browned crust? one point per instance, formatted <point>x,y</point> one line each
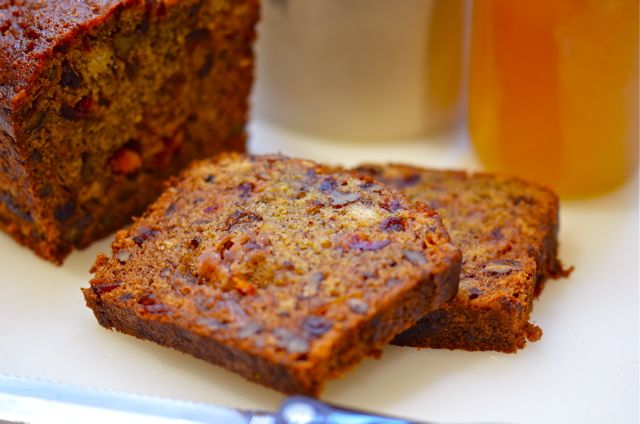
<point>549,265</point>
<point>364,340</point>
<point>30,33</point>
<point>468,329</point>
<point>20,208</point>
<point>20,230</point>
<point>168,334</point>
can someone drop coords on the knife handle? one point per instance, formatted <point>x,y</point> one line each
<point>303,410</point>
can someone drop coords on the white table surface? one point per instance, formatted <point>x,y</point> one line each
<point>584,369</point>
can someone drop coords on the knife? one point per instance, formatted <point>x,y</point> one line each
<point>25,401</point>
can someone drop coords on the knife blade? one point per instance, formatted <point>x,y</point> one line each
<point>25,401</point>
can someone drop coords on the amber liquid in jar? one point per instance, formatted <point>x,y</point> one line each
<point>553,91</point>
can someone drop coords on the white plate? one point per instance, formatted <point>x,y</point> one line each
<point>585,368</point>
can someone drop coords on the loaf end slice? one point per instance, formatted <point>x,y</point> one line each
<point>101,101</point>
<point>507,231</point>
<point>281,270</point>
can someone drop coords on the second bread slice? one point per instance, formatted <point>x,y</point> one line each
<point>507,231</point>
<point>279,269</point>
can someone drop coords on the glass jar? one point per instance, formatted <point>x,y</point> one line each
<point>360,68</point>
<point>553,91</point>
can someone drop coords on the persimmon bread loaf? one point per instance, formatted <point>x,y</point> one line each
<point>101,100</point>
<point>279,269</point>
<point>507,231</point>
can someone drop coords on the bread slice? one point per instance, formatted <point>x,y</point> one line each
<point>506,229</point>
<point>279,269</point>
